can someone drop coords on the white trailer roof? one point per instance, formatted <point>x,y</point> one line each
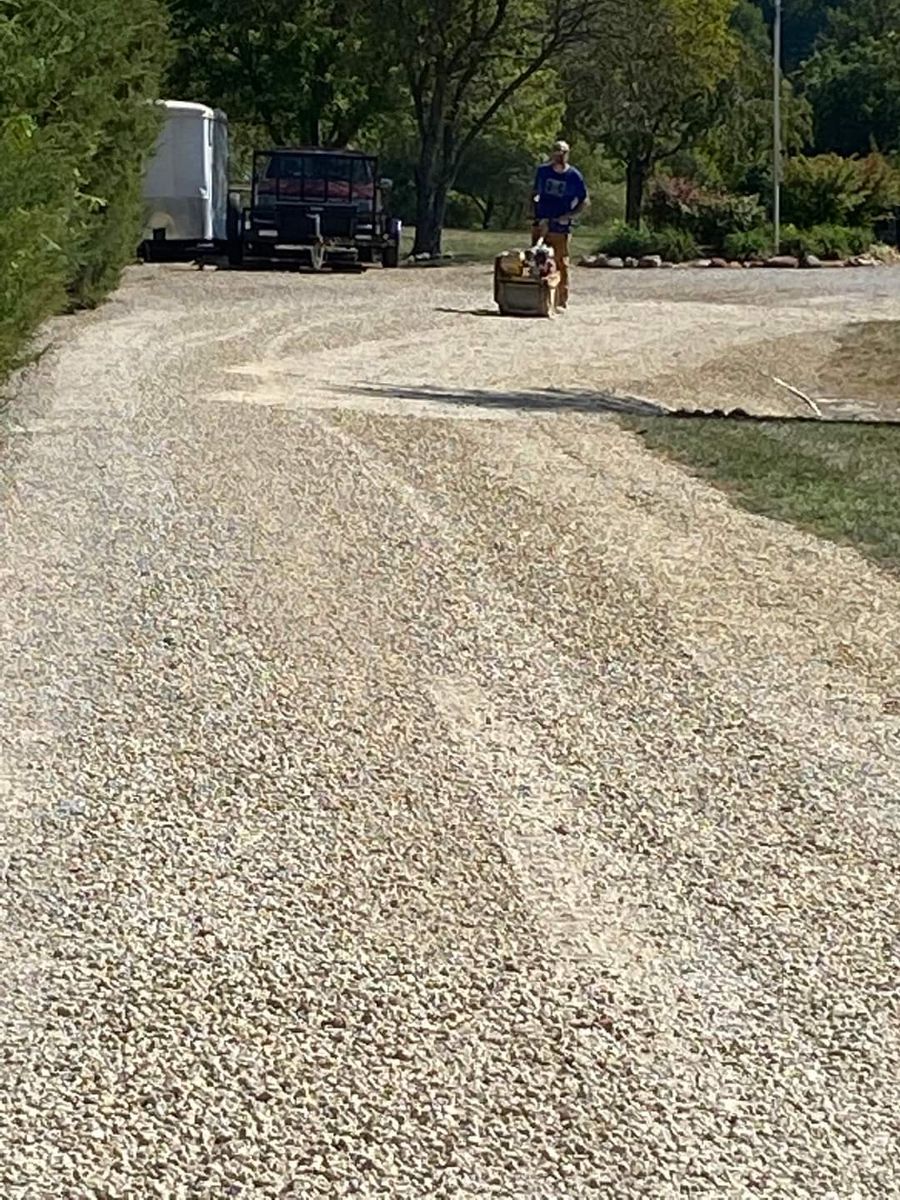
<point>186,108</point>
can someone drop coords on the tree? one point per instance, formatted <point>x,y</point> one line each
<point>644,80</point>
<point>303,71</point>
<point>853,79</point>
<point>462,62</point>
<point>804,21</point>
<point>738,143</point>
<point>497,171</point>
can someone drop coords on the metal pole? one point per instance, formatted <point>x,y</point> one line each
<point>776,131</point>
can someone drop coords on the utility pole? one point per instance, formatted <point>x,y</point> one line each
<point>776,129</point>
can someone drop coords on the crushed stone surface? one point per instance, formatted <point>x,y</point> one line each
<point>410,786</point>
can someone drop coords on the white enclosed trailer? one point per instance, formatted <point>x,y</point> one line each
<point>186,184</point>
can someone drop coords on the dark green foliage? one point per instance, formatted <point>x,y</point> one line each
<point>749,244</point>
<point>845,192</point>
<point>296,72</point>
<point>75,127</point>
<point>830,242</point>
<point>628,241</point>
<point>708,216</point>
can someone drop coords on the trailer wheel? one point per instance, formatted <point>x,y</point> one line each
<point>390,255</point>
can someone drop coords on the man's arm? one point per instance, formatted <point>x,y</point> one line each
<point>536,192</point>
<point>581,202</point>
<point>536,221</point>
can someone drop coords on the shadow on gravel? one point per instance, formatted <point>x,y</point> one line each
<point>561,400</point>
<point>471,312</point>
<point>551,400</point>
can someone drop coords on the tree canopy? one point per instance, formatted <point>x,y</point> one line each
<point>645,77</point>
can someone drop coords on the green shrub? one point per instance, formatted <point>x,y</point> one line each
<point>675,245</point>
<point>881,186</point>
<point>829,242</point>
<point>836,191</point>
<point>726,214</point>
<point>673,201</point>
<point>708,216</point>
<point>75,128</point>
<point>627,241</point>
<point>749,244</point>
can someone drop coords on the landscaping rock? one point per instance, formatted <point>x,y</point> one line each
<point>650,261</point>
<point>720,264</point>
<point>783,261</point>
<point>811,262</point>
<point>594,260</point>
<point>700,263</point>
<point>631,263</point>
<point>862,260</point>
<point>615,264</point>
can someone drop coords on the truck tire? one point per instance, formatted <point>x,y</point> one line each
<point>390,255</point>
<point>235,230</point>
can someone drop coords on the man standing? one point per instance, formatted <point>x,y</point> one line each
<point>560,195</point>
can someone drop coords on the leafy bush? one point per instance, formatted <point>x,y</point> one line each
<point>673,201</point>
<point>627,241</point>
<point>725,214</point>
<point>829,242</point>
<point>674,245</point>
<point>749,244</point>
<point>707,216</point>
<point>830,190</point>
<point>75,127</point>
<point>881,187</point>
<point>824,190</point>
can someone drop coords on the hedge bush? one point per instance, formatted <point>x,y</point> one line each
<point>75,130</point>
<point>830,190</point>
<point>749,244</point>
<point>828,242</point>
<point>708,217</point>
<point>627,241</point>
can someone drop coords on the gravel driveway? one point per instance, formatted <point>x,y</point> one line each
<point>409,787</point>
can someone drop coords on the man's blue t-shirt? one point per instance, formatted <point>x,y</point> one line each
<point>558,192</point>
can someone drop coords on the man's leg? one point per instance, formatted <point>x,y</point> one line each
<point>560,244</point>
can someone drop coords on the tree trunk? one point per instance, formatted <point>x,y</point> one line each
<point>431,206</point>
<point>636,173</point>
<point>432,187</point>
<point>489,208</point>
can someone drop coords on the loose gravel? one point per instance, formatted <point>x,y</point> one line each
<point>413,788</point>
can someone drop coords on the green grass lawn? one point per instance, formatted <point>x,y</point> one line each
<point>476,245</point>
<point>840,482</point>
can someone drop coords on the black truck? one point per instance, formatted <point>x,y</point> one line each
<point>318,207</point>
